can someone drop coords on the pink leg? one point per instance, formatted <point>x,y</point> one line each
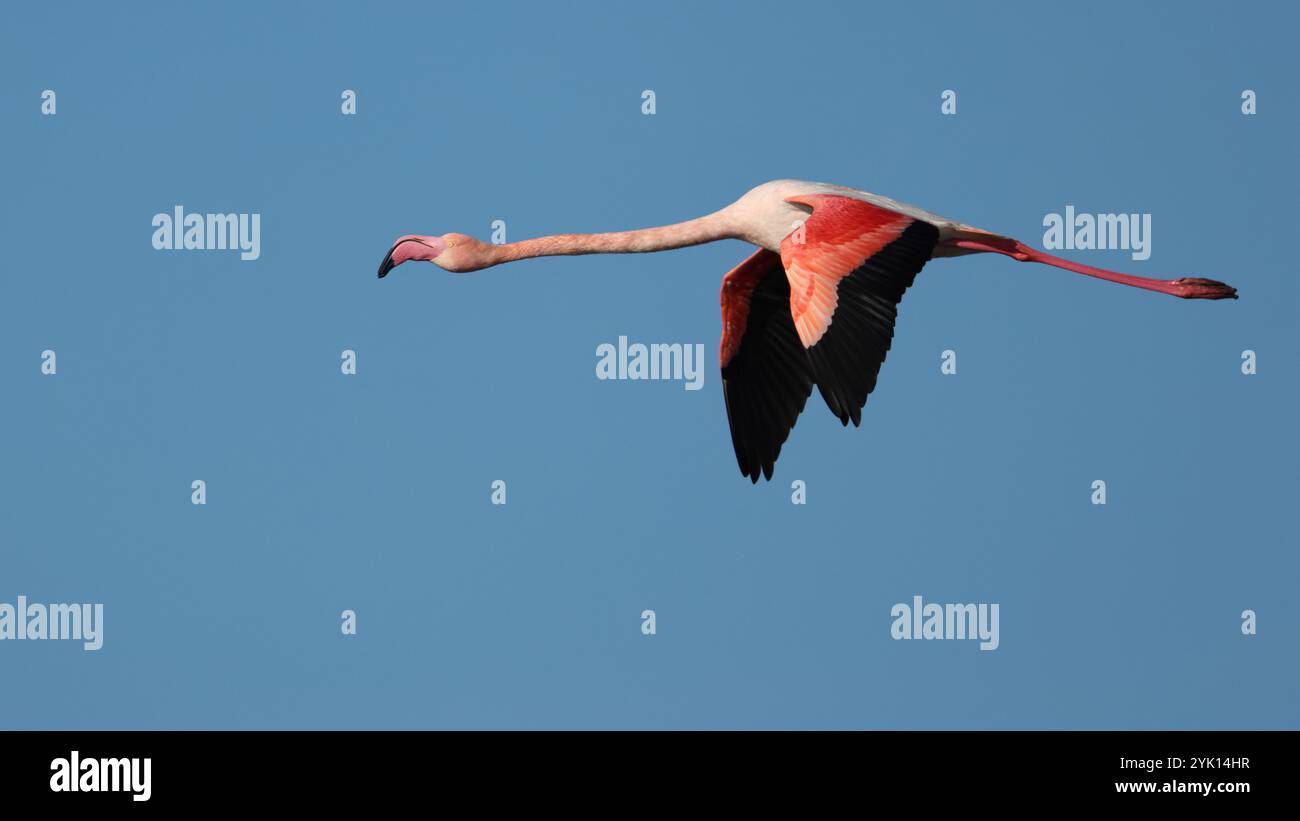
<point>1187,288</point>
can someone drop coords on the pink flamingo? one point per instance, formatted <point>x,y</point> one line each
<point>814,305</point>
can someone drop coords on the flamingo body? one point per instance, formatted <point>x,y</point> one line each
<point>817,302</point>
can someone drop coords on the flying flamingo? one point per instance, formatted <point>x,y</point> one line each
<point>814,305</point>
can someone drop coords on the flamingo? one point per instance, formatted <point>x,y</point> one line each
<point>815,304</point>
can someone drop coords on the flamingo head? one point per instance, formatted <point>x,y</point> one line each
<point>451,252</point>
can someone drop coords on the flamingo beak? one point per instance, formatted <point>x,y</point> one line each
<point>411,247</point>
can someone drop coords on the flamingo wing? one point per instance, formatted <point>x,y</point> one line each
<point>766,377</point>
<point>848,266</point>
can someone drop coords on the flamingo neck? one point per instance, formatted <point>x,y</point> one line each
<point>709,228</point>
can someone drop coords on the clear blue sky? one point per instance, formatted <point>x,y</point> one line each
<point>371,492</point>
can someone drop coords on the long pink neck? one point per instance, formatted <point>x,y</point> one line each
<point>709,228</point>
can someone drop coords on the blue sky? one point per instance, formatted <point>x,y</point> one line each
<point>370,492</point>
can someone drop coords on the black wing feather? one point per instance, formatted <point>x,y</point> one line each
<point>768,380</point>
<point>847,358</point>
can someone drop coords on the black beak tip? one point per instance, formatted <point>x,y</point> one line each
<point>387,264</point>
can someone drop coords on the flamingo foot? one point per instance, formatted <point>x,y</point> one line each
<point>1197,288</point>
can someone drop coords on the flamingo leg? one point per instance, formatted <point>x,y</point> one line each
<point>1186,288</point>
